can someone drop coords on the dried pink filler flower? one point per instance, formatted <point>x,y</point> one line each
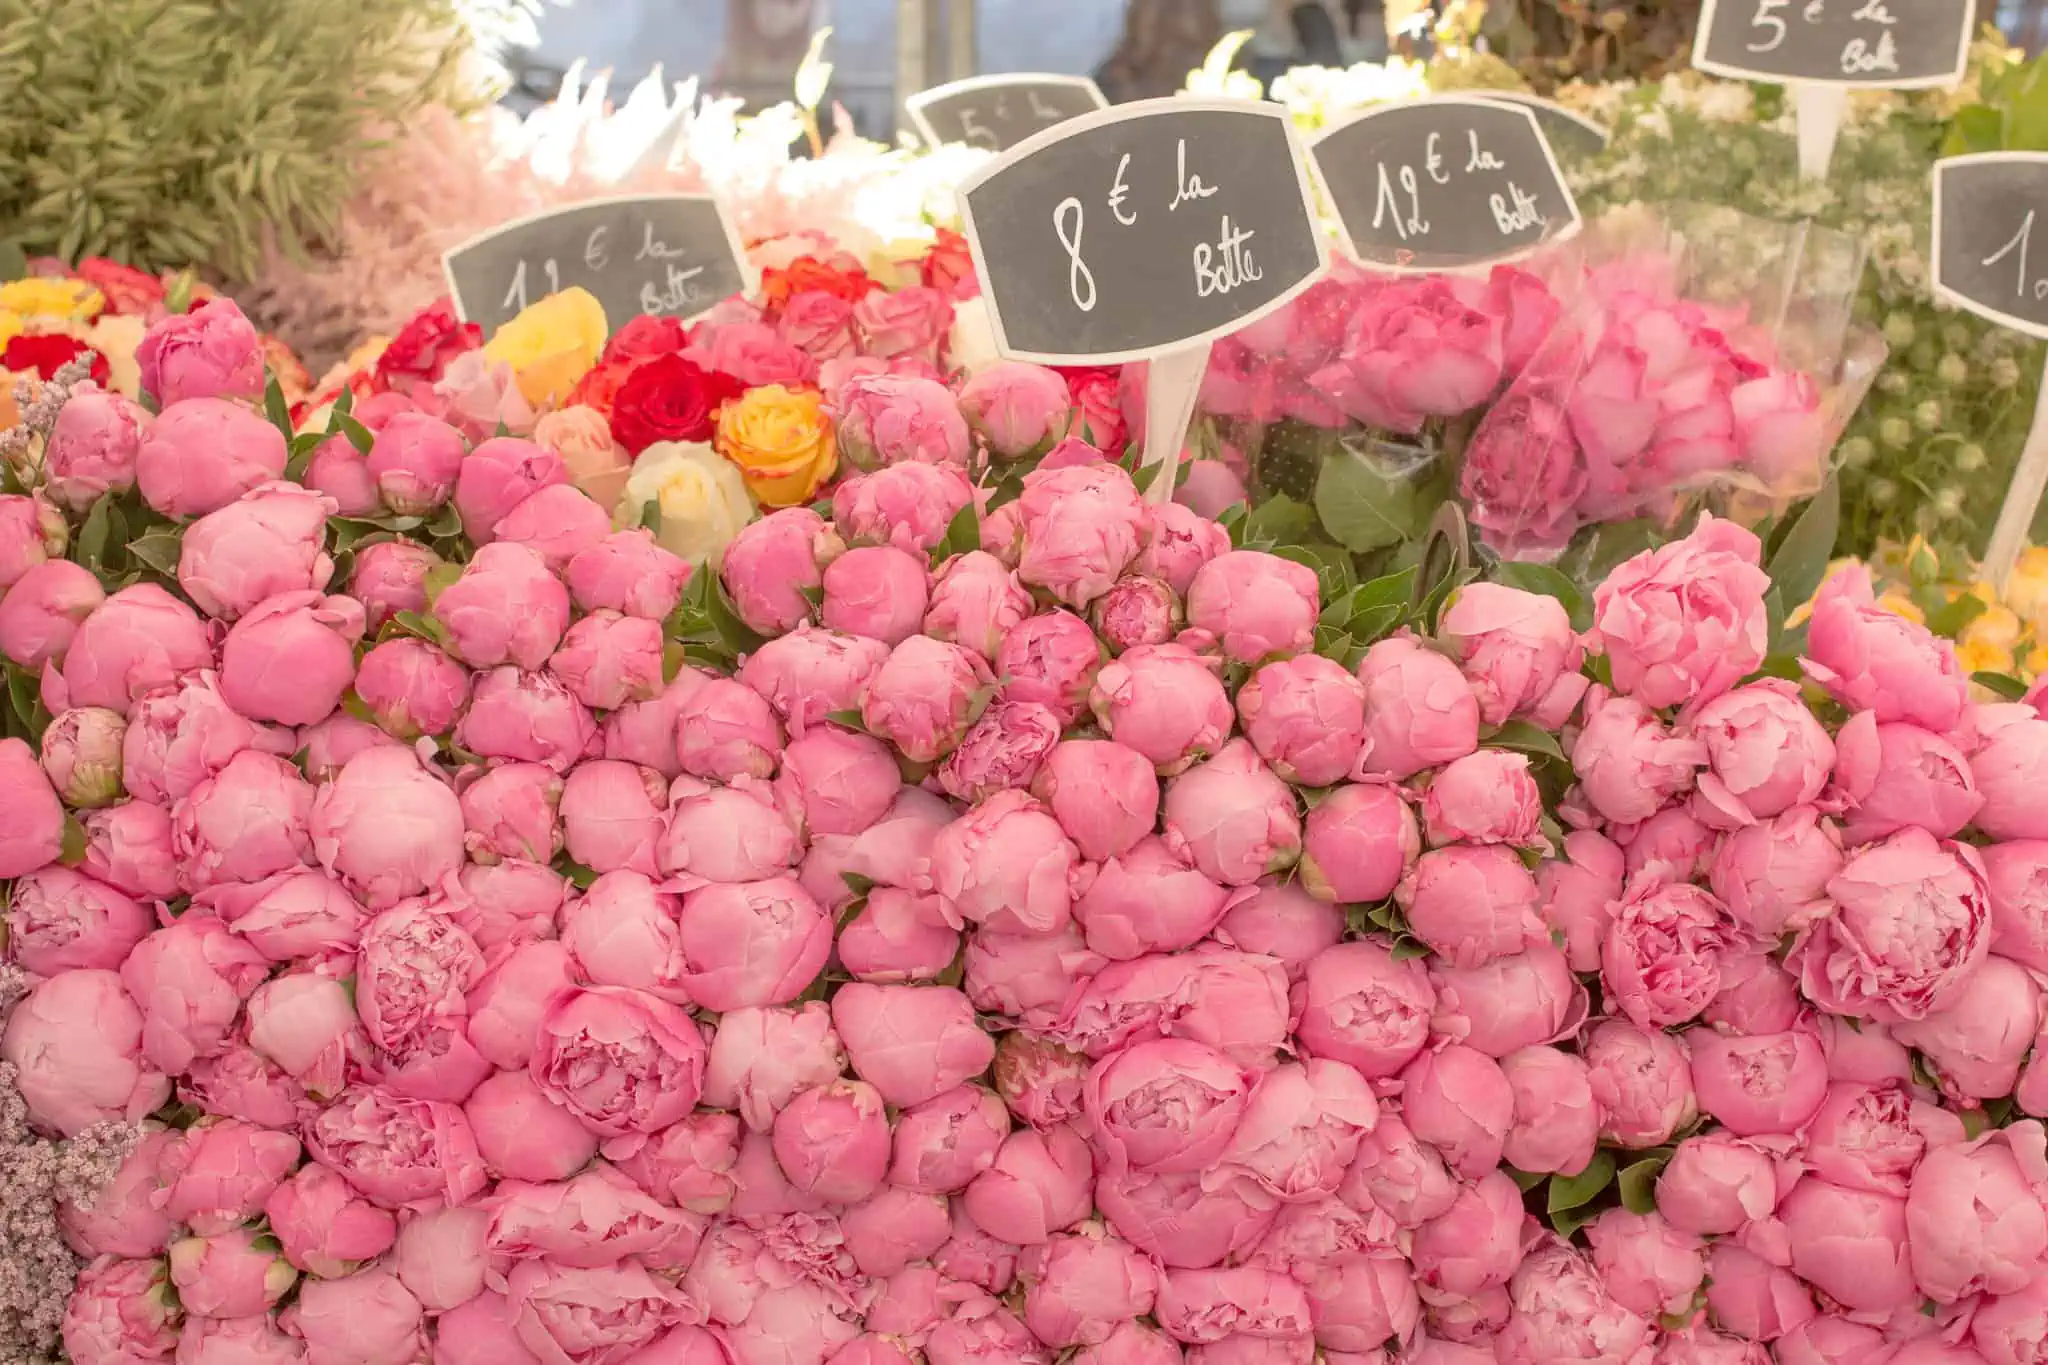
<point>37,1175</point>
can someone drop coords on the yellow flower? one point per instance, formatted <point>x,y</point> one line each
<point>1976,656</point>
<point>1898,604</point>
<point>782,441</point>
<point>1995,626</point>
<point>2026,590</point>
<point>551,345</point>
<point>2035,662</point>
<point>703,499</point>
<point>54,298</point>
<point>10,326</point>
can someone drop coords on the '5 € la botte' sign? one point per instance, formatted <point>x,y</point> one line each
<point>1445,183</point>
<point>1144,232</point>
<point>1892,44</point>
<point>672,255</point>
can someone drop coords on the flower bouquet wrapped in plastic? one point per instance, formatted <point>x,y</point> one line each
<point>1705,354</point>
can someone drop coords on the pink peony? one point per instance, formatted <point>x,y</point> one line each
<point>1871,659</point>
<point>1419,710</point>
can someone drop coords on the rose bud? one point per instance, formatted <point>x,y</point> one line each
<point>81,754</point>
<point>1039,1080</point>
<point>1662,960</point>
<point>1306,717</point>
<point>1039,1185</point>
<point>41,613</point>
<point>908,507</point>
<point>771,562</point>
<point>1018,409</point>
<point>1977,1043</point>
<point>1894,777</point>
<point>895,1228</point>
<point>1178,542</point>
<point>526,717</point>
<point>138,640</point>
<point>505,608</point>
<point>1419,711</point>
<point>1135,611</point>
<point>1476,1243</point>
<point>943,1143</point>
<point>338,470</point>
<point>290,660</point>
<point>910,1042</point>
<point>368,1317</point>
<point>200,455</point>
<point>1232,817</point>
<point>1053,659</point>
<point>1173,1219</point>
<point>522,1134</point>
<point>612,815</point>
<point>1148,900</point>
<point>1164,702</point>
<point>627,572</point>
<point>189,979</point>
<point>224,1172</point>
<point>390,577</point>
<point>1458,1100</point>
<point>387,828</point>
<point>1851,1244</point>
<point>246,822</point>
<point>210,352</point>
<point>1083,1286</point>
<point>414,460</point>
<point>1472,904</point>
<point>1562,1308</point>
<point>1082,526</point>
<point>325,1229</point>
<point>976,603</point>
<point>1028,977</point>
<point>125,1217</point>
<point>1629,764</point>
<point>888,419</point>
<point>751,943</point>
<point>228,1275</point>
<point>92,448</point>
<point>1870,659</point>
<point>1255,604</point>
<point>760,1059</point>
<point>1648,1266</point>
<point>119,1311</point>
<point>305,1024</point>
<point>272,540</point>
<point>898,936</point>
<point>496,477</point>
<point>1130,1094</point>
<point>1927,900</point>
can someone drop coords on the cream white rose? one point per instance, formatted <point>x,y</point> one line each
<point>702,498</point>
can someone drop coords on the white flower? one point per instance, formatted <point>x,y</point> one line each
<point>972,345</point>
<point>701,498</point>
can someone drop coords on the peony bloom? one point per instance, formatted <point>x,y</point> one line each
<point>324,1227</point>
<point>1773,877</point>
<point>943,1143</point>
<point>1681,624</point>
<point>923,698</point>
<point>1487,797</point>
<point>271,540</point>
<point>58,920</point>
<point>368,1318</point>
<point>1518,651</point>
<point>1475,1243</point>
<point>909,507</point>
<point>888,419</point>
<point>1082,1288</point>
<point>92,448</point>
<point>499,474</point>
<point>768,566</point>
<point>1759,1084</point>
<point>137,640</point>
<point>1148,899</point>
<point>1472,903</point>
<point>1458,1100</point>
<point>621,1060</point>
<point>1007,863</point>
<point>806,675</point>
<point>395,1152</point>
<point>411,688</point>
<point>291,659</point>
<point>210,352</point>
<point>751,943</point>
<point>1563,1311</point>
<point>1306,717</point>
<point>1642,1080</point>
<point>1082,526</point>
<point>1232,817</point>
<point>1018,409</point>
<point>628,572</point>
<point>189,979</point>
<point>75,1043</point>
<point>1419,710</point>
<point>505,608</point>
<point>1629,763</point>
<point>1973,1220</point>
<point>391,576</point>
<point>1357,1004</point>
<point>1649,1266</point>
<point>1766,753</point>
<point>976,602</point>
<point>200,455</point>
<point>387,828</point>
<point>1662,959</point>
<point>522,1134</point>
<point>120,1311</point>
<point>1871,659</point>
<point>1164,702</point>
<point>1052,659</point>
<point>1178,542</point>
<point>911,1043</point>
<point>1255,605</point>
<point>41,613</point>
<point>1892,777</point>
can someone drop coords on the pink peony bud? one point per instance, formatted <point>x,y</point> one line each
<point>505,608</point>
<point>2005,1328</point>
<point>622,932</point>
<point>414,459</point>
<point>607,660</point>
<point>1279,919</point>
<point>771,562</point>
<point>1018,409</point>
<point>244,823</point>
<point>1562,1308</point>
<point>1306,717</point>
<point>1081,529</point>
<point>81,754</point>
<point>510,903</point>
<point>139,639</point>
<point>1052,659</point>
<point>808,674</point>
<point>412,688</point>
<point>912,1043</point>
<point>898,936</point>
<point>1178,542</point>
<point>1039,1080</point>
<point>440,1253</point>
<point>201,454</point>
<point>1173,1219</point>
<point>877,591</point>
<point>1165,1106</point>
<point>1507,1003</point>
<point>229,1275</point>
<point>1517,649</point>
<point>1974,1220</point>
<point>558,522</point>
<point>210,352</point>
<point>189,979</point>
<point>1420,713</point>
<point>1578,892</point>
<point>1135,611</point>
<point>1232,817</point>
<point>976,602</point>
<point>120,1311</point>
<point>396,1152</point>
<point>908,507</point>
<point>1007,863</point>
<point>1255,604</point>
<point>128,846</point>
<point>833,1141</point>
<point>1683,623</point>
<point>305,1024</point>
<point>1648,1266</point>
<point>496,477</point>
<point>1759,1085</point>
<point>32,532</point>
<point>125,1217</point>
<point>1662,959</point>
<point>1164,702</point>
<point>338,470</point>
<point>512,812</point>
<point>1105,795</point>
<point>523,1134</point>
<point>325,1228</point>
<point>91,450</point>
<point>1629,764</point>
<point>2008,766</point>
<point>620,1060</point>
<point>1459,1100</point>
<point>1302,1129</point>
<point>627,572</point>
<point>1894,777</point>
<point>1358,843</point>
<point>224,1172</point>
<point>612,815</point>
<point>1765,751</point>
<point>526,717</point>
<point>1234,1002</point>
<point>32,831</point>
<point>1028,976</point>
<point>291,659</point>
<point>925,696</point>
<point>751,943</point>
<point>1773,877</point>
<point>1870,659</point>
<point>1150,899</point>
<point>944,1142</point>
<point>761,1058</point>
<point>1085,1288</point>
<point>887,419</point>
<point>1486,797</point>
<point>390,577</point>
<point>1039,1186</point>
<point>727,834</point>
<point>725,729</point>
<point>1476,1243</point>
<point>41,613</point>
<point>1398,1175</point>
<point>387,828</point>
<point>2017,875</point>
<point>1472,903</point>
<point>271,540</point>
<point>1002,751</point>
<point>1556,1119</point>
<point>1977,1043</point>
<point>368,1318</point>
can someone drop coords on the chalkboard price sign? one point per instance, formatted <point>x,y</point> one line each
<point>668,254</point>
<point>1149,227</point>
<point>1443,183</point>
<point>1896,44</point>
<point>1568,131</point>
<point>1991,236</point>
<point>998,112</point>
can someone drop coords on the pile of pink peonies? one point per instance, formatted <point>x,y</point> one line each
<point>1031,949</point>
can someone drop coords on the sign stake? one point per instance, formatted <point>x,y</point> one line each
<point>2023,499</point>
<point>1817,110</point>
<point>1173,381</point>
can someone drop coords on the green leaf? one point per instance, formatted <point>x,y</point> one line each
<point>358,435</point>
<point>438,580</point>
<point>274,407</point>
<point>1371,625</point>
<point>97,532</point>
<point>1549,582</point>
<point>650,516</point>
<point>1801,559</point>
<point>302,448</point>
<point>13,261</point>
<point>1332,566</point>
<point>72,852</point>
<point>2004,685</point>
<point>579,876</point>
<point>1393,590</point>
<point>345,402</point>
<point>850,719</point>
<point>1576,1191</point>
<point>1406,948</point>
<point>1279,520</point>
<point>25,698</point>
<point>737,635</point>
<point>1525,738</point>
<point>1525,1181</point>
<point>963,535</point>
<point>446,523</point>
<point>1365,507</point>
<point>425,627</point>
<point>858,884</point>
<point>1638,1183</point>
<point>1948,619</point>
<point>159,549</point>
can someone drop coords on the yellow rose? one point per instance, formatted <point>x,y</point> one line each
<point>551,345</point>
<point>701,496</point>
<point>38,295</point>
<point>117,336</point>
<point>10,326</point>
<point>597,464</point>
<point>782,441</point>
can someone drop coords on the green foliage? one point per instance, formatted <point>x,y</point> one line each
<point>1551,42</point>
<point>165,133</point>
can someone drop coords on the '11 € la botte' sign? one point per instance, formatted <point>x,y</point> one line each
<point>1897,44</point>
<point>1444,183</point>
<point>672,255</point>
<point>998,112</point>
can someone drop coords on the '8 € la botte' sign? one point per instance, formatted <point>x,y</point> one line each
<point>1144,232</point>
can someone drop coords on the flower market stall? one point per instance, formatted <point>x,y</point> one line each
<point>771,830</point>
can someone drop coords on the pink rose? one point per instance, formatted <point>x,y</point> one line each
<point>1870,659</point>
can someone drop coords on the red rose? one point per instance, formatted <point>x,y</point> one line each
<point>647,336</point>
<point>842,275</point>
<point>48,354</point>
<point>599,387</point>
<point>126,289</point>
<point>949,267</point>
<point>668,399</point>
<point>424,346</point>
